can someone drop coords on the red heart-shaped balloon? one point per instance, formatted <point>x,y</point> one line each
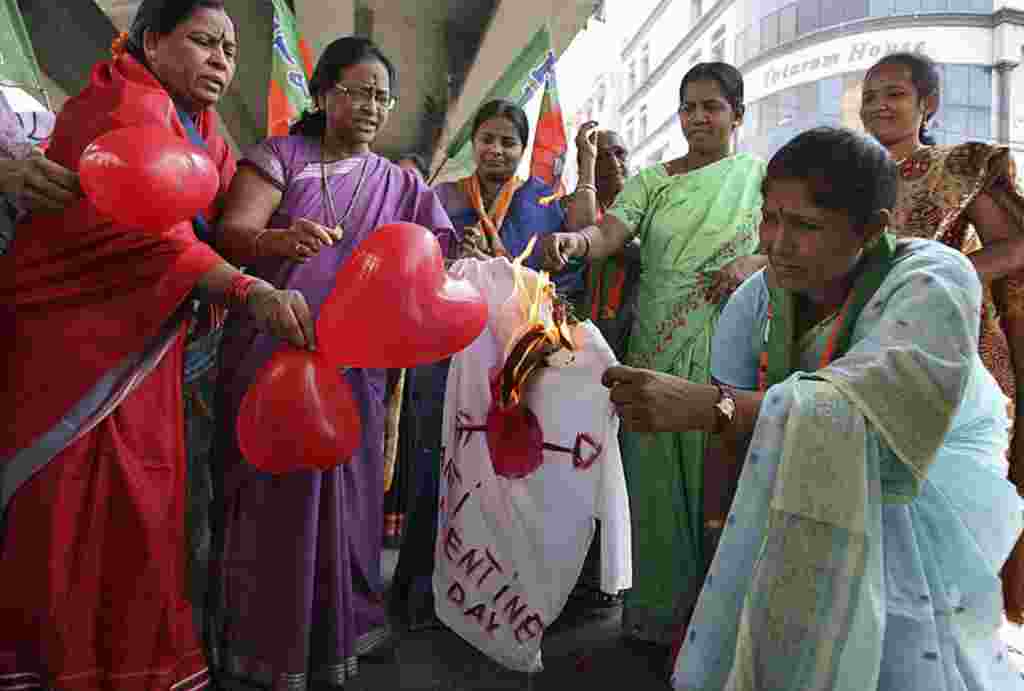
<point>394,305</point>
<point>298,414</point>
<point>147,177</point>
<point>515,441</point>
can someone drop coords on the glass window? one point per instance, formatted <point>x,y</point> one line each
<point>956,121</point>
<point>718,51</point>
<point>787,23</point>
<point>741,42</point>
<point>981,86</point>
<point>854,9</point>
<point>752,119</point>
<point>632,77</point>
<point>832,12</point>
<point>955,90</point>
<point>769,114</point>
<point>980,126</point>
<point>808,16</point>
<point>906,6</point>
<point>807,102</point>
<point>770,31</point>
<point>645,62</point>
<point>934,5</point>
<point>830,96</point>
<point>696,10</point>
<point>980,6</point>
<point>880,8</point>
<point>643,123</point>
<point>753,42</point>
<point>695,58</point>
<point>789,107</point>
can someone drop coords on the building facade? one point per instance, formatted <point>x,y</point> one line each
<point>660,41</point>
<point>665,41</point>
<point>804,63</point>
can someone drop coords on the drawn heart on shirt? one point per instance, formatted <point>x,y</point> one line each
<point>394,305</point>
<point>515,441</point>
<point>298,414</point>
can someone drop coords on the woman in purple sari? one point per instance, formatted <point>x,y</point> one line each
<point>297,596</point>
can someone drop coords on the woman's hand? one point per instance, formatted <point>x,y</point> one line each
<point>38,184</point>
<point>284,313</point>
<point>558,248</point>
<point>650,401</point>
<point>300,243</point>
<point>726,280</point>
<point>586,144</point>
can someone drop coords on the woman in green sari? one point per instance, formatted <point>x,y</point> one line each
<point>696,218</point>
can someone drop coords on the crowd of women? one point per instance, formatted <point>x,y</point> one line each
<point>821,355</point>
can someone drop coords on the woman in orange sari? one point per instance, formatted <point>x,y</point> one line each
<point>966,197</point>
<point>92,477</point>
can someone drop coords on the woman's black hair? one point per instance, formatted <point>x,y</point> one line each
<point>338,56</point>
<point>162,17</point>
<point>844,170</point>
<point>501,108</point>
<point>728,78</point>
<point>417,160</point>
<point>924,74</point>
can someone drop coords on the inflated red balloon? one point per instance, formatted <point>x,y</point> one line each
<point>394,305</point>
<point>147,177</point>
<point>298,414</point>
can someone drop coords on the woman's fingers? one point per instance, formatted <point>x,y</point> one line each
<point>312,234</point>
<point>304,319</point>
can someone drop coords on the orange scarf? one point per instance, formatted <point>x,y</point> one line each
<point>490,222</point>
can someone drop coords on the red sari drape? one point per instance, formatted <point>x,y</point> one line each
<point>93,549</point>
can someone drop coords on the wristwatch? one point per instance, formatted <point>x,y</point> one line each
<point>725,409</point>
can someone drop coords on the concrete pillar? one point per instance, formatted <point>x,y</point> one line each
<point>1004,87</point>
<point>321,22</point>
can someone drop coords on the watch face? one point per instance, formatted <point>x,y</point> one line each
<point>728,407</point>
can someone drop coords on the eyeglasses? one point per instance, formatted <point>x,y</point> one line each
<point>362,95</point>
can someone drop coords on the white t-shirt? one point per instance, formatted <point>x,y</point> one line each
<point>509,551</point>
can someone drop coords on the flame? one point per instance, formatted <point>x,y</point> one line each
<point>544,329</point>
<point>533,301</point>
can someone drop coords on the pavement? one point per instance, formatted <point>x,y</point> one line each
<point>579,652</point>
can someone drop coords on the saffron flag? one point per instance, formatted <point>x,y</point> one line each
<point>549,143</point>
<point>291,65</point>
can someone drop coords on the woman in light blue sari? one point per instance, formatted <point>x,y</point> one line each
<point>863,547</point>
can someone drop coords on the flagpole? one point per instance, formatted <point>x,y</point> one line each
<point>437,172</point>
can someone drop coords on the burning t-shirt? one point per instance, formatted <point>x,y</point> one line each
<point>531,459</point>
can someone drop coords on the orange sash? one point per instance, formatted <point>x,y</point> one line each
<point>490,222</point>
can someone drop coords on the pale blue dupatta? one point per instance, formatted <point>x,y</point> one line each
<point>863,546</point>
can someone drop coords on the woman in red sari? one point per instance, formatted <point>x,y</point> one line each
<point>92,476</point>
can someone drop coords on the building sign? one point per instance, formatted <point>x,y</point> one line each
<point>855,55</point>
<point>964,45</point>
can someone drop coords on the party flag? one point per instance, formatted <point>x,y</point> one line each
<point>291,66</point>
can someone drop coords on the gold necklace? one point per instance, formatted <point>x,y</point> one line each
<point>339,224</point>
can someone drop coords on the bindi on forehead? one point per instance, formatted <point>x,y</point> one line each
<point>369,73</point>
